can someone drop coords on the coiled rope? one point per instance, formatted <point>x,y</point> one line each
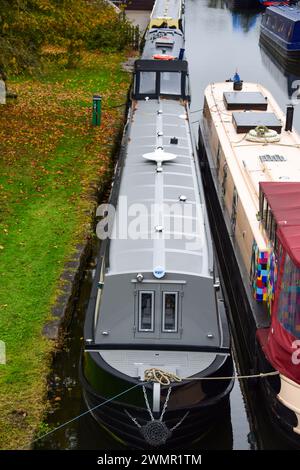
<point>161,376</point>
<point>165,378</point>
<point>262,134</point>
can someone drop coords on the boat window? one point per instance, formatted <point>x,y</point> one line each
<point>273,230</point>
<point>218,158</point>
<point>234,210</point>
<point>170,83</point>
<point>267,219</point>
<point>224,179</point>
<point>187,90</point>
<point>147,82</point>
<point>146,311</point>
<point>289,298</point>
<point>265,210</point>
<point>170,311</point>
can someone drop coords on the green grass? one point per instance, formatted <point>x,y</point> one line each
<point>49,156</point>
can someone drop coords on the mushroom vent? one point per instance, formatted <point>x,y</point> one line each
<point>159,156</point>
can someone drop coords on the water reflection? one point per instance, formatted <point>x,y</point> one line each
<point>216,4</point>
<point>219,40</point>
<point>287,75</point>
<point>242,22</point>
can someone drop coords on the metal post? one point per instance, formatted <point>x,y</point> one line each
<point>96,120</point>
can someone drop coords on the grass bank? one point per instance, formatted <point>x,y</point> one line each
<point>50,157</point>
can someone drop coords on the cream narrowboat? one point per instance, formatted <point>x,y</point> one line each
<point>250,158</point>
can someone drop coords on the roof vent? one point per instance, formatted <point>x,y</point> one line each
<point>272,158</point>
<point>182,198</point>
<point>160,111</point>
<point>159,156</point>
<point>160,134</point>
<point>174,140</point>
<point>159,228</point>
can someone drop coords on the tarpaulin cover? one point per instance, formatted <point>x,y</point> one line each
<point>284,201</point>
<point>281,350</point>
<point>282,343</point>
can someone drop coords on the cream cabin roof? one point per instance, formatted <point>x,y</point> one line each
<point>243,157</point>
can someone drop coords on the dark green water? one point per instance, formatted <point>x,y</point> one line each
<point>218,41</point>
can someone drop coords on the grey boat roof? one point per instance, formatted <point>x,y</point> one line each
<point>166,41</point>
<point>186,251</point>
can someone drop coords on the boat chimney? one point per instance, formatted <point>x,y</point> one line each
<point>289,117</point>
<point>181,54</point>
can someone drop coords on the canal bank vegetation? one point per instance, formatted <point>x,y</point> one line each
<point>26,26</point>
<point>51,163</point>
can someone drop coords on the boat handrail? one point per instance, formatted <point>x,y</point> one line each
<point>96,347</point>
<point>201,194</point>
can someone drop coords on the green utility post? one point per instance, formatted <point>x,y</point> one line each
<point>96,110</point>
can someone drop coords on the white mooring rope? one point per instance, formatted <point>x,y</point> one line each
<point>165,378</point>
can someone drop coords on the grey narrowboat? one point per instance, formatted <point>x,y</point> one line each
<point>156,308</point>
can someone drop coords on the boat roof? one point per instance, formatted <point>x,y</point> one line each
<point>284,201</point>
<point>286,11</point>
<point>178,248</point>
<point>166,42</point>
<point>253,162</point>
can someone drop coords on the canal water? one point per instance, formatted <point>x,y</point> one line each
<point>219,41</point>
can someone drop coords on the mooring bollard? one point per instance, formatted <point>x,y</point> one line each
<point>96,110</point>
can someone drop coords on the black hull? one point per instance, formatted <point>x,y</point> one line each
<point>199,421</point>
<point>245,315</point>
<point>286,57</point>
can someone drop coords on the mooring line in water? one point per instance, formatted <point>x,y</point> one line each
<point>82,414</point>
<point>176,378</point>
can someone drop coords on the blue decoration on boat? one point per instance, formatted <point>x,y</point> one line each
<point>236,77</point>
